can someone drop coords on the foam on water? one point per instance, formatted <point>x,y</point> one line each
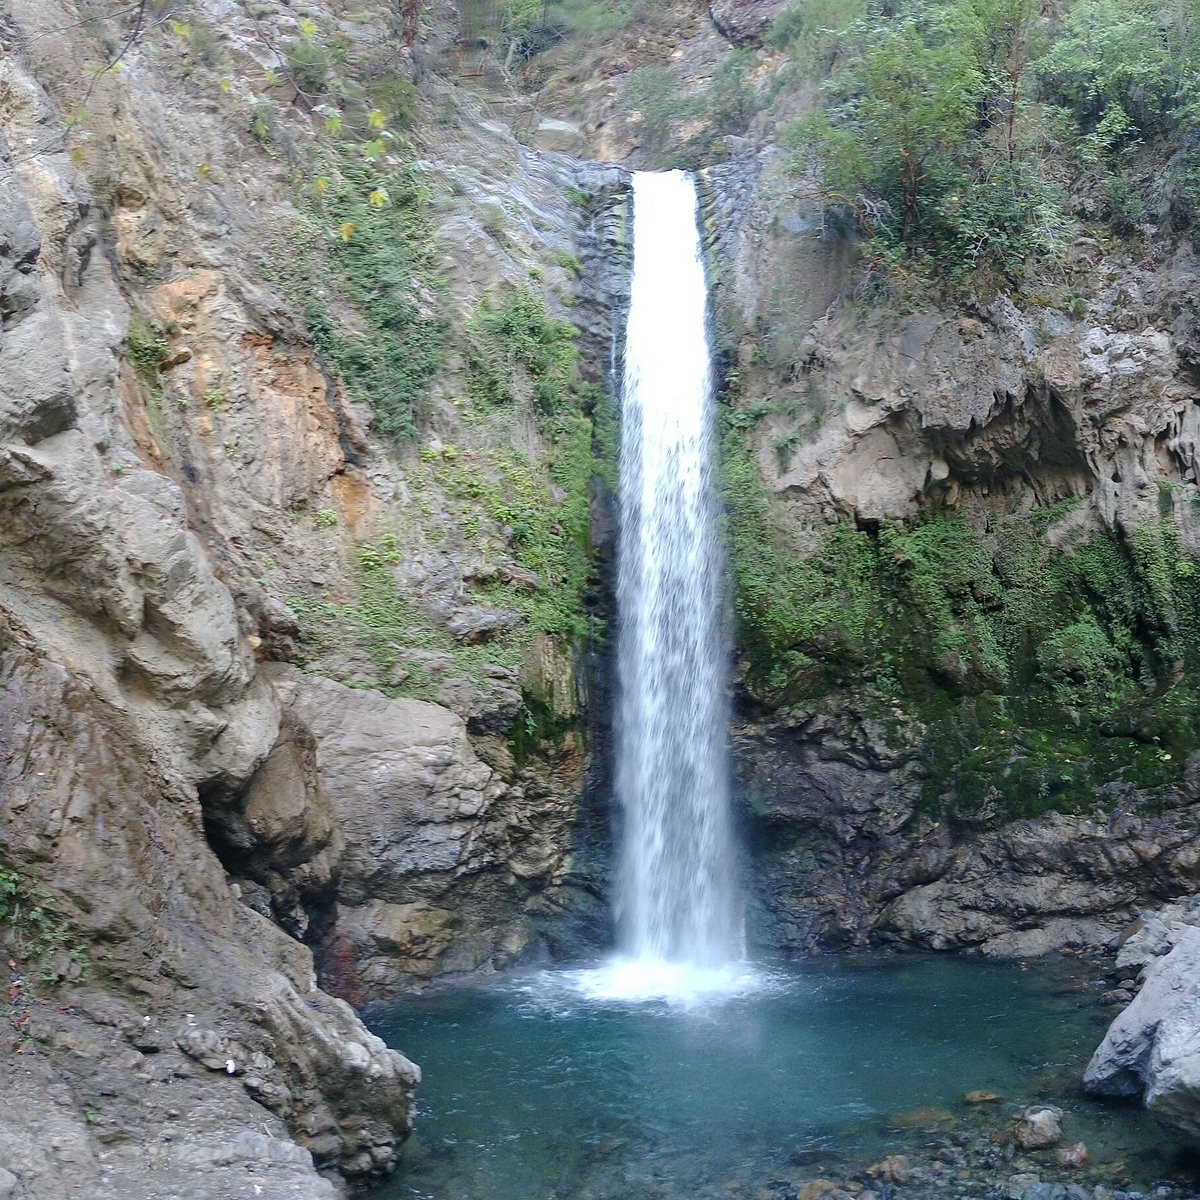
<point>641,980</point>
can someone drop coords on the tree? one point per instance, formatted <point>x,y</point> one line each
<point>924,136</point>
<point>900,117</point>
<point>1124,69</point>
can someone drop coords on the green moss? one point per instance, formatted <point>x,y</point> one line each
<point>396,97</point>
<point>145,348</point>
<point>1039,674</point>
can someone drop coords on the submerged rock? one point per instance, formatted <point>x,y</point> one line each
<point>928,1117</point>
<point>895,1169</point>
<point>1075,1155</point>
<point>1039,1126</point>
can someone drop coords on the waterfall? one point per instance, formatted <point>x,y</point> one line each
<point>678,909</point>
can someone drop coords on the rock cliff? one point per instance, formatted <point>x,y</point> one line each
<point>305,486</point>
<point>237,432</point>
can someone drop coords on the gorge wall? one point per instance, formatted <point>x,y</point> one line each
<point>198,491</point>
<point>306,455</point>
<point>968,721</point>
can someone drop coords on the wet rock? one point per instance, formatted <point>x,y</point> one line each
<point>1045,1191</point>
<point>895,1169</point>
<point>1075,1155</point>
<point>1016,1185</point>
<point>433,836</point>
<point>1038,1127</point>
<point>1116,996</point>
<point>820,1189</point>
<point>980,1096</point>
<point>928,1117</point>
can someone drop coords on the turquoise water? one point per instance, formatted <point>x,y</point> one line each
<point>532,1092</point>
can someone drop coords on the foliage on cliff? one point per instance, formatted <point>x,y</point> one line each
<point>1039,675</point>
<point>978,133</point>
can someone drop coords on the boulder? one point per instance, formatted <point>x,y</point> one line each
<point>560,136</point>
<point>895,1169</point>
<point>440,849</point>
<point>1152,1049</point>
<point>1038,1127</point>
<point>820,1189</point>
<point>1075,1155</point>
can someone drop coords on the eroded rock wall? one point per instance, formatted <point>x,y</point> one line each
<point>881,794</point>
<point>188,494</point>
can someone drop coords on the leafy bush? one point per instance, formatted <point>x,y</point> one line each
<point>308,65</point>
<point>1123,69</point>
<point>811,30</point>
<point>517,341</point>
<point>145,347</point>
<point>923,139</point>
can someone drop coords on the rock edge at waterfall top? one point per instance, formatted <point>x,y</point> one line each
<point>646,980</point>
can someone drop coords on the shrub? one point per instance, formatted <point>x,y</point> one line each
<point>308,65</point>
<point>516,342</point>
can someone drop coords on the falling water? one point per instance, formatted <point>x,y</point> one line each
<point>678,912</point>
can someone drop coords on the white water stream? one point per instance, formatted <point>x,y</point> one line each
<point>678,908</point>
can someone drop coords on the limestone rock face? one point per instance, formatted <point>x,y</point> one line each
<point>115,839</point>
<point>440,847</point>
<point>177,466</point>
<point>1040,885</point>
<point>745,22</point>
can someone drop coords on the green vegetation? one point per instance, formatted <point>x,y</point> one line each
<point>528,514</point>
<point>516,346</point>
<point>525,28</point>
<point>682,130</point>
<point>33,936</point>
<point>967,135</point>
<point>401,642</point>
<point>1039,675</point>
<point>368,240</point>
<point>145,348</point>
<point>307,64</point>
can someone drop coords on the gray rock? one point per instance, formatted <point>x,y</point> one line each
<point>1016,1186</point>
<point>560,136</point>
<point>478,624</point>
<point>1153,1048</point>
<point>433,837</point>
<point>1038,1127</point>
